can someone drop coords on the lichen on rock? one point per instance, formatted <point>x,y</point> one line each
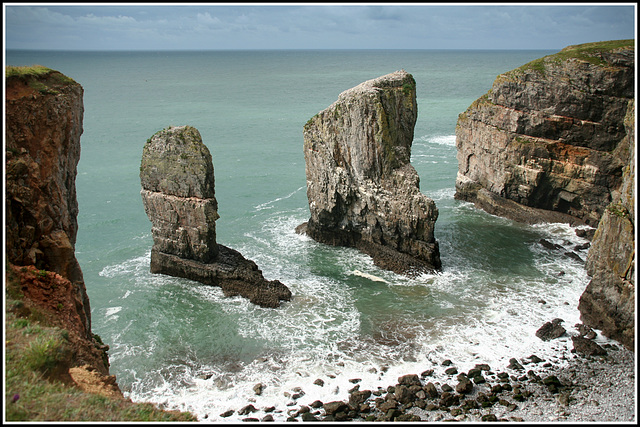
<point>363,191</point>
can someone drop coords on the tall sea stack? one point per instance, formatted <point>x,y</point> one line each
<point>178,193</point>
<point>363,191</point>
<point>554,141</point>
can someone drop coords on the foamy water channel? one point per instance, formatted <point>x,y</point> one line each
<point>349,322</point>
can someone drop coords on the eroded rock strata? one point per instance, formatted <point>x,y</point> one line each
<point>178,192</point>
<point>44,114</point>
<point>608,302</point>
<point>542,144</point>
<point>363,191</point>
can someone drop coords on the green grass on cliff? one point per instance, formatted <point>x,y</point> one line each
<point>35,351</point>
<point>38,77</point>
<point>589,52</point>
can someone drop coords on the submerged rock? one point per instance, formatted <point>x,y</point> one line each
<point>362,190</point>
<point>178,194</point>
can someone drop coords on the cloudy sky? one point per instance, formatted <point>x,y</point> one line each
<point>130,26</point>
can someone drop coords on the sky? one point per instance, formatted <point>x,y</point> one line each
<point>213,26</point>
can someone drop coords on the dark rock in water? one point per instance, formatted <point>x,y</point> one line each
<point>535,359</point>
<point>228,413</point>
<point>464,386</point>
<point>357,398</point>
<point>574,255</point>
<point>451,371</point>
<point>309,417</point>
<point>587,233</point>
<point>448,399</point>
<point>409,380</point>
<point>363,191</point>
<point>514,364</point>
<point>404,395</point>
<point>431,390</point>
<point>549,245</point>
<point>331,408</point>
<point>178,194</point>
<point>427,373</point>
<point>247,410</point>
<point>319,382</point>
<point>551,330</point>
<point>582,247</point>
<point>587,347</point>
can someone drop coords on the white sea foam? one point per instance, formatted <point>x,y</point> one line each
<point>448,140</point>
<point>368,276</point>
<point>270,204</point>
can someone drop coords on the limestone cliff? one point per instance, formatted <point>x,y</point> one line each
<point>608,302</point>
<point>542,144</point>
<point>363,191</point>
<point>178,193</point>
<point>554,140</point>
<point>44,113</point>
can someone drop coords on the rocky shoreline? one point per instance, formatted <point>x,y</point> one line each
<point>588,383</point>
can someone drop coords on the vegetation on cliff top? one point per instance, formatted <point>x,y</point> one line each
<point>38,77</point>
<point>589,52</point>
<point>37,357</point>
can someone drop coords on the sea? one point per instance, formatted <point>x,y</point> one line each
<point>184,345</point>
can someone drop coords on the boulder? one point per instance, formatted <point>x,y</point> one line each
<point>178,194</point>
<point>551,330</point>
<point>587,347</point>
<point>363,191</point>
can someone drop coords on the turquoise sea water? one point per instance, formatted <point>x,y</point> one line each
<point>185,346</point>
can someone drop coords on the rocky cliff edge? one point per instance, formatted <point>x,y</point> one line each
<point>554,141</point>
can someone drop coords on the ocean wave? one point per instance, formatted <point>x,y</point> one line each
<point>448,140</point>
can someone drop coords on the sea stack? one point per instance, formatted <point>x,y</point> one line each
<point>363,191</point>
<point>178,193</point>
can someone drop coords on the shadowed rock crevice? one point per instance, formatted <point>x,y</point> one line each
<point>362,190</point>
<point>178,193</point>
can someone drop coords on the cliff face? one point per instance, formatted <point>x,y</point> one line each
<point>44,112</point>
<point>43,149</point>
<point>546,136</point>
<point>178,193</point>
<point>608,302</point>
<point>362,190</point>
<point>554,141</point>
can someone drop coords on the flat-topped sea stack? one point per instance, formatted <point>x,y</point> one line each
<point>363,191</point>
<point>178,192</point>
<point>543,145</point>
